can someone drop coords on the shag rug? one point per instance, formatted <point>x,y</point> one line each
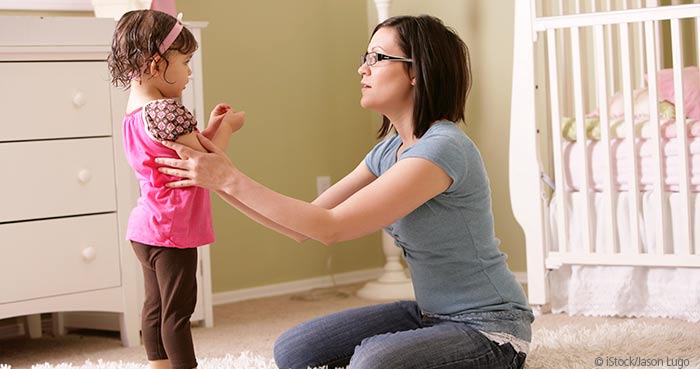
<point>628,344</point>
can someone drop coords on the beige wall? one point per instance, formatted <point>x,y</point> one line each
<point>487,28</point>
<point>291,65</point>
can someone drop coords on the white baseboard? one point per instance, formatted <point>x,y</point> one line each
<point>308,284</point>
<point>295,286</point>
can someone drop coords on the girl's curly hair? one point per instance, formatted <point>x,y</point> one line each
<point>136,40</point>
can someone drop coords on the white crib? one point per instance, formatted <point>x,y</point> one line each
<point>610,229</point>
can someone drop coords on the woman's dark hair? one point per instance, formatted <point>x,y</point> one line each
<point>136,41</point>
<point>440,66</point>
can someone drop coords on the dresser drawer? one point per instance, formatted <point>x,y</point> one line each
<point>58,256</point>
<point>44,179</point>
<point>54,100</point>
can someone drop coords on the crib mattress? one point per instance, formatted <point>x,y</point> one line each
<point>621,164</point>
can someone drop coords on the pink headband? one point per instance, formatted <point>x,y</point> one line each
<point>168,7</point>
<point>170,38</point>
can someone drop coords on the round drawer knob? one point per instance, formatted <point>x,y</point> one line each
<point>79,99</point>
<point>84,176</point>
<point>89,253</point>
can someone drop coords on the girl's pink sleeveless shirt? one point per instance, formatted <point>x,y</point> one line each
<point>171,217</point>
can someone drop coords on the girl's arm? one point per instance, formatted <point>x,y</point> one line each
<point>223,122</point>
<point>408,184</point>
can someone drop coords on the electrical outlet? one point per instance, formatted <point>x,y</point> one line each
<point>322,184</point>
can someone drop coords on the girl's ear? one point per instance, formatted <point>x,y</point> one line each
<point>153,66</point>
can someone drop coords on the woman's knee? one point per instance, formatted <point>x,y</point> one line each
<point>289,349</point>
<point>374,353</point>
<point>306,346</point>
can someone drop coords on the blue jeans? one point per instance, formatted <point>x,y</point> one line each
<point>390,336</point>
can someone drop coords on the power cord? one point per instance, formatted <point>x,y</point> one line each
<point>323,293</point>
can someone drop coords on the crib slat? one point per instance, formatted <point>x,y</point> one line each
<point>659,187</point>
<point>561,195</point>
<point>611,51</point>
<point>610,192</point>
<point>635,247</point>
<point>581,137</point>
<point>683,244</point>
<point>565,67</point>
<point>638,63</point>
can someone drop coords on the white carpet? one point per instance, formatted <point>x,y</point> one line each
<point>629,344</point>
<point>241,361</point>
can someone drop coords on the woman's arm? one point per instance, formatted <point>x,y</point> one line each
<point>252,214</point>
<point>334,195</point>
<point>408,184</point>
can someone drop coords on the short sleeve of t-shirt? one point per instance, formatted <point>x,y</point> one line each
<point>383,155</point>
<point>448,147</point>
<point>168,119</point>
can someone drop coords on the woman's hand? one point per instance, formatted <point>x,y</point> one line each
<point>211,169</point>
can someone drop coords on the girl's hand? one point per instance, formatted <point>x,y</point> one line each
<point>234,119</point>
<point>219,110</point>
<point>211,169</point>
<point>215,118</point>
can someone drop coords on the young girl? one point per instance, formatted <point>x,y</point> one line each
<point>150,55</point>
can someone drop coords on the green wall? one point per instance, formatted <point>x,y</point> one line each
<point>292,66</point>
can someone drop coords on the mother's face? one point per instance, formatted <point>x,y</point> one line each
<point>386,86</point>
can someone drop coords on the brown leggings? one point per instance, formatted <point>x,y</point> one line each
<point>171,295</point>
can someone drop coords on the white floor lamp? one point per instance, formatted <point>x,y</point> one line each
<point>393,283</point>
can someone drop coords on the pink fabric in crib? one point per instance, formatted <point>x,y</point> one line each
<point>668,128</point>
<point>691,89</point>
<point>646,164</point>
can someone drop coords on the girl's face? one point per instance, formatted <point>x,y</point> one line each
<point>386,86</point>
<point>174,79</point>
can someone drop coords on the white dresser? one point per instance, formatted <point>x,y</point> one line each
<point>66,190</point>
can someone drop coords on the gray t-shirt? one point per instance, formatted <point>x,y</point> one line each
<point>449,241</point>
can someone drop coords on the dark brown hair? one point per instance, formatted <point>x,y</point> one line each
<point>136,40</point>
<point>441,68</point>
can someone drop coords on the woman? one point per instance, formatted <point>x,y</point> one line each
<point>427,186</point>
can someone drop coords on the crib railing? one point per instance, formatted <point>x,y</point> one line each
<point>587,58</point>
<point>623,20</point>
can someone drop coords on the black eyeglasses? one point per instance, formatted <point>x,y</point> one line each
<point>374,57</point>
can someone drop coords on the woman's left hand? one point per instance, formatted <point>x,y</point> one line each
<point>211,169</point>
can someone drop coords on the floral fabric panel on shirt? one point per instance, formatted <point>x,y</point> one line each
<point>168,119</point>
